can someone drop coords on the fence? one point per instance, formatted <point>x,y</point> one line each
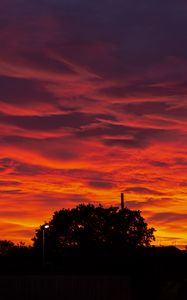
<point>64,288</point>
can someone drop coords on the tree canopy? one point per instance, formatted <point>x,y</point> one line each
<point>87,226</point>
<point>6,247</point>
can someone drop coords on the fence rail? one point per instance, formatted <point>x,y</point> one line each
<point>64,288</point>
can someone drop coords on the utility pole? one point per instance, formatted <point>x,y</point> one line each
<point>122,201</point>
<point>43,243</point>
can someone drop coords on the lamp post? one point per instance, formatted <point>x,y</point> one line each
<point>43,243</point>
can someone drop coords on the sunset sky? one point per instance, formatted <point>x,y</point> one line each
<point>93,102</point>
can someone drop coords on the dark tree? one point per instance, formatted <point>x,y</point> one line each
<point>87,226</point>
<point>6,247</point>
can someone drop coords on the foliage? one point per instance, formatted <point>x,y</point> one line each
<point>87,226</point>
<point>6,247</point>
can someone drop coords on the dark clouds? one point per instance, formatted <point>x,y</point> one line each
<point>169,216</point>
<point>9,183</point>
<point>134,36</point>
<point>164,109</point>
<point>143,190</point>
<point>11,192</point>
<point>160,164</point>
<point>20,91</point>
<point>101,184</point>
<point>72,120</point>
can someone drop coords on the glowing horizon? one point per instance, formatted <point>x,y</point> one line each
<point>92,103</point>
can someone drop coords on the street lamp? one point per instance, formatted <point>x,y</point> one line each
<point>43,243</point>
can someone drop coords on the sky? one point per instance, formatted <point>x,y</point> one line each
<point>93,102</point>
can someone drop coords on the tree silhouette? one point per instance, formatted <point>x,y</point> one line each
<point>87,226</point>
<point>6,247</point>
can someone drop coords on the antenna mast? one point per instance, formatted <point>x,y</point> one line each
<point>122,201</point>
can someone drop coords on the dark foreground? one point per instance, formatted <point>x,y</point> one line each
<point>148,274</point>
<point>64,287</point>
<point>88,287</point>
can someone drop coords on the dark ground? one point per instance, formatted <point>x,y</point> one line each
<point>154,273</point>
